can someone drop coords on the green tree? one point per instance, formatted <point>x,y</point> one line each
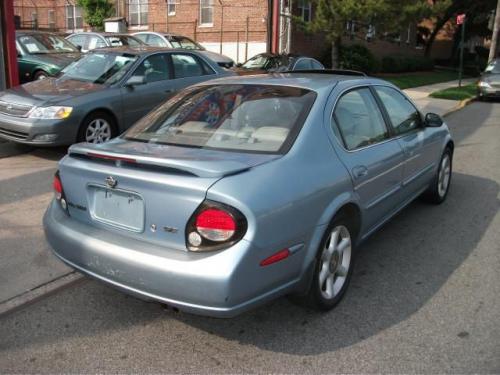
<point>442,11</point>
<point>95,12</point>
<point>331,16</point>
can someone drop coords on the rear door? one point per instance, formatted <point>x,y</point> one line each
<point>189,70</point>
<point>159,86</point>
<point>421,149</point>
<point>373,159</point>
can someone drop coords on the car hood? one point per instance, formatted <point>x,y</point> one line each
<point>217,57</point>
<point>50,90</point>
<point>196,161</point>
<point>491,78</point>
<point>61,60</point>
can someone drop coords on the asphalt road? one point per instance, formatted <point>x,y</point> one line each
<point>425,297</point>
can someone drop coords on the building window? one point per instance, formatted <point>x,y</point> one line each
<point>171,7</point>
<point>51,19</point>
<point>304,7</point>
<point>34,20</point>
<point>138,12</point>
<point>74,19</point>
<point>206,12</point>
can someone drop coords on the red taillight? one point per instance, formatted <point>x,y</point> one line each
<point>57,185</point>
<point>280,255</point>
<point>215,224</point>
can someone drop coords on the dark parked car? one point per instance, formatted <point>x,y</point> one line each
<point>99,96</point>
<point>169,40</point>
<point>89,41</point>
<point>41,54</point>
<point>489,83</point>
<point>270,62</point>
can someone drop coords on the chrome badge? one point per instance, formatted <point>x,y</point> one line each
<point>111,182</point>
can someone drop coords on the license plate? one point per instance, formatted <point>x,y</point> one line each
<point>119,208</point>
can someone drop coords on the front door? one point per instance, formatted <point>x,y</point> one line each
<point>373,159</point>
<point>158,86</point>
<point>421,150</point>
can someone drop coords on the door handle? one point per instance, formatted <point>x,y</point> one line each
<point>359,171</point>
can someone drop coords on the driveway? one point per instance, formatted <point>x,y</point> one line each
<point>424,298</point>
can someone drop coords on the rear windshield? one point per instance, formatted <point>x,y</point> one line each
<point>243,118</point>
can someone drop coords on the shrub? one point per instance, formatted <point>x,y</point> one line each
<point>358,57</point>
<point>401,64</point>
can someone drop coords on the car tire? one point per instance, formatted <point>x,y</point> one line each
<point>98,127</point>
<point>440,185</point>
<point>333,266</point>
<point>40,74</point>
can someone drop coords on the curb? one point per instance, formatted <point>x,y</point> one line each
<point>39,292</point>
<point>459,106</point>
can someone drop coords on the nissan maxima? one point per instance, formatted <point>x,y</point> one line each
<point>240,190</point>
<point>99,96</point>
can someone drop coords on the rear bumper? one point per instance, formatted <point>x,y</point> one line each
<point>29,131</point>
<point>219,284</point>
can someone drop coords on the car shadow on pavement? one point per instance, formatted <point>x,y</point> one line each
<point>398,271</point>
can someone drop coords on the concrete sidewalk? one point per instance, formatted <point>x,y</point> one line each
<point>420,95</point>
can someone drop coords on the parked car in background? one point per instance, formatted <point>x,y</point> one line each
<point>240,190</point>
<point>99,96</point>
<point>489,83</point>
<point>88,41</point>
<point>271,62</point>
<point>42,54</point>
<point>169,40</point>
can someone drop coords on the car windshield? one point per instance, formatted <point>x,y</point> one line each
<point>232,117</point>
<point>102,68</point>
<point>183,42</point>
<point>122,40</point>
<point>265,62</point>
<point>45,43</point>
<point>493,67</point>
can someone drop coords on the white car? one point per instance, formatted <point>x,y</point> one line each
<point>170,40</point>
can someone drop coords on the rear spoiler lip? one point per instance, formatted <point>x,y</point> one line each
<point>197,168</point>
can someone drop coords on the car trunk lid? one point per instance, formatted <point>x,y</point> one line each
<point>148,192</point>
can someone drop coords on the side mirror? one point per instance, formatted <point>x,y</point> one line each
<point>79,48</point>
<point>136,81</point>
<point>433,120</point>
<point>239,65</point>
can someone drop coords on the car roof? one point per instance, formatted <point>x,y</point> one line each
<point>101,33</point>
<point>162,33</point>
<point>141,50</point>
<point>31,32</point>
<point>308,80</point>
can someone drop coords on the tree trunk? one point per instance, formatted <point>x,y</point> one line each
<point>494,38</point>
<point>437,28</point>
<point>335,52</point>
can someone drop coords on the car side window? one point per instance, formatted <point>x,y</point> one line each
<point>359,119</point>
<point>403,115</point>
<point>95,42</point>
<point>316,65</point>
<point>302,64</point>
<point>155,40</point>
<point>154,68</point>
<point>186,65</point>
<point>77,40</point>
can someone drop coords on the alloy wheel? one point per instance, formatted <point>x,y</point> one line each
<point>98,131</point>
<point>335,262</point>
<point>444,175</point>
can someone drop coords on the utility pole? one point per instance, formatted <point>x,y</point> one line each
<point>461,19</point>
<point>494,37</point>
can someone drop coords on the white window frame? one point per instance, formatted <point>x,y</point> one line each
<point>51,19</point>
<point>303,6</point>
<point>74,24</point>
<point>142,7</point>
<point>171,7</point>
<point>206,4</point>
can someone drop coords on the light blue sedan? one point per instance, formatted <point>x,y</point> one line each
<point>243,189</point>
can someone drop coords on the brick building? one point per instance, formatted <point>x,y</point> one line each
<point>241,25</point>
